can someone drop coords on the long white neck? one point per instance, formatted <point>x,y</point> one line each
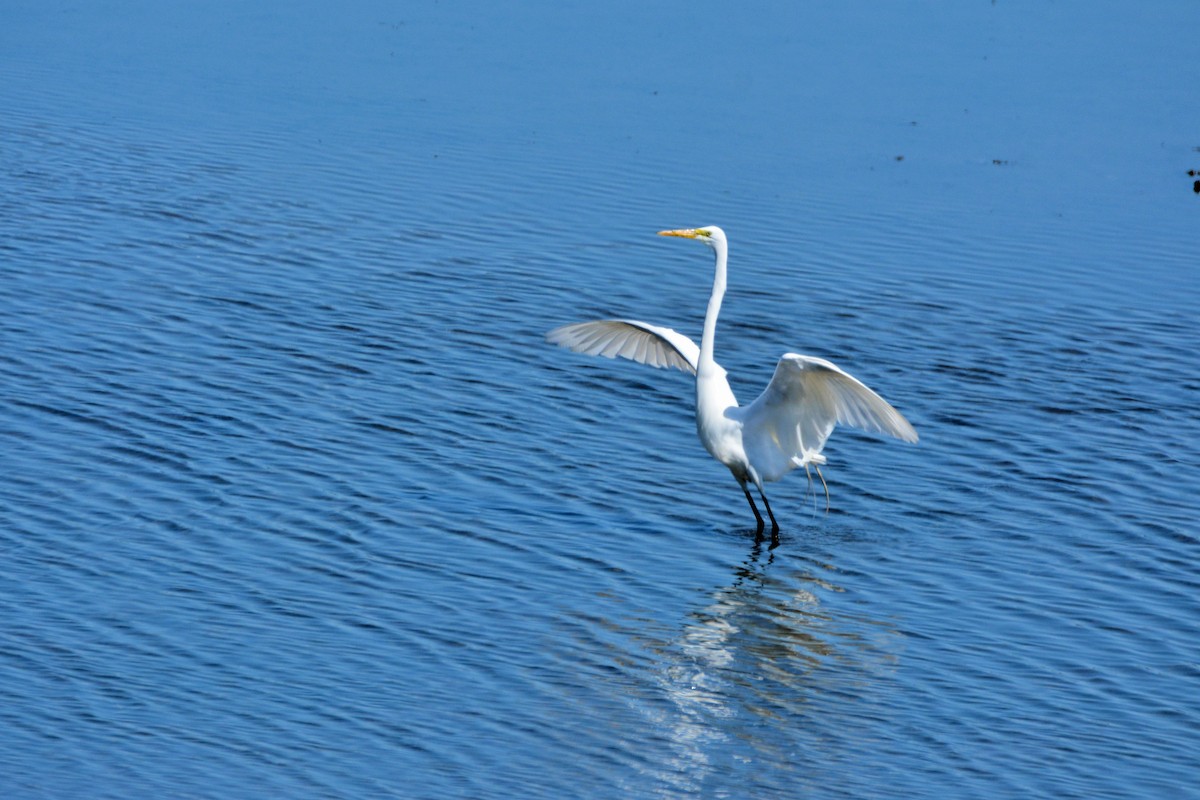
<point>714,308</point>
<point>718,429</point>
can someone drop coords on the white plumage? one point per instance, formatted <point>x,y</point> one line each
<point>628,338</point>
<point>784,428</point>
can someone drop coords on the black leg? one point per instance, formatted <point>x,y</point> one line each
<point>774,524</point>
<point>754,508</point>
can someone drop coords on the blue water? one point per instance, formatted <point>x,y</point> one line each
<point>296,502</point>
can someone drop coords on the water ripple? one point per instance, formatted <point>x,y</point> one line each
<point>297,501</point>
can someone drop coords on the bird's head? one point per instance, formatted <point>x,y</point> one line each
<point>710,235</point>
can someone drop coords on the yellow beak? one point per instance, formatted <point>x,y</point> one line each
<point>686,233</point>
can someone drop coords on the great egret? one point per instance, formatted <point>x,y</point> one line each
<point>784,428</point>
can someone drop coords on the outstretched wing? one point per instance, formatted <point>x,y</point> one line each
<point>628,338</point>
<point>787,425</point>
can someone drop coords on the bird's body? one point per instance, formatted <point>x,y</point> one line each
<point>784,428</point>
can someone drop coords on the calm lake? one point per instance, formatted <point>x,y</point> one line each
<point>295,501</point>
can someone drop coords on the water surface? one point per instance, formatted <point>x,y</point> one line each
<point>297,502</point>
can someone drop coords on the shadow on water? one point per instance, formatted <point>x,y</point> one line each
<point>749,674</point>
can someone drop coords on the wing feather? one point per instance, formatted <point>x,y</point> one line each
<point>642,342</point>
<point>787,425</point>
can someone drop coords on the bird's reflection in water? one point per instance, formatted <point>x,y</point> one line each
<point>741,677</point>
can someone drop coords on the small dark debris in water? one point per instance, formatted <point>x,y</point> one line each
<point>899,158</point>
<point>1000,162</point>
<point>1196,187</point>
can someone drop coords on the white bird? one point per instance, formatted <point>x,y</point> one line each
<point>784,428</point>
